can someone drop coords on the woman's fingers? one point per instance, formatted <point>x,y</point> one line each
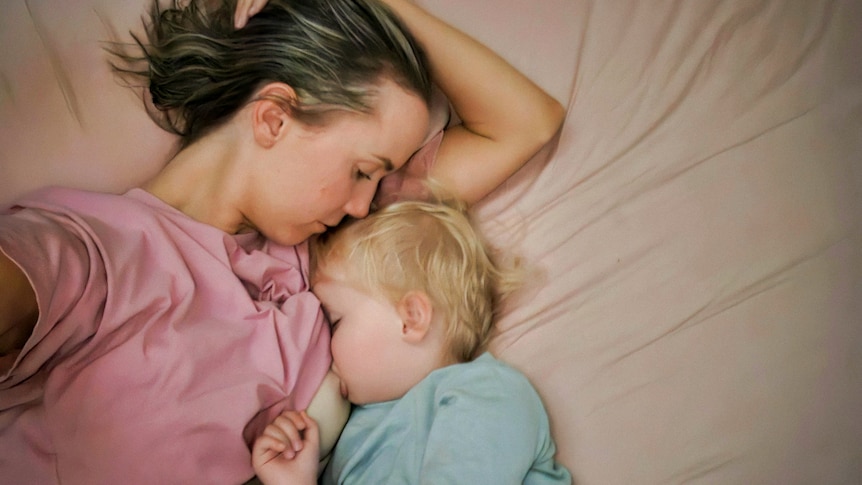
<point>246,9</point>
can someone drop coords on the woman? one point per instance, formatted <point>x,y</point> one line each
<point>149,337</point>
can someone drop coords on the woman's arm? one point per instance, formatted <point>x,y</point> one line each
<point>18,308</point>
<point>506,118</point>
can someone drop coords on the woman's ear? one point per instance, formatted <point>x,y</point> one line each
<point>271,114</point>
<point>416,312</point>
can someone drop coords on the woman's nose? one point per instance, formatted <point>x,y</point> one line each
<point>360,201</point>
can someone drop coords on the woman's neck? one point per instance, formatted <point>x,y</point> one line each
<point>202,182</point>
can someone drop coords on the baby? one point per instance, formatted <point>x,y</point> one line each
<point>411,292</point>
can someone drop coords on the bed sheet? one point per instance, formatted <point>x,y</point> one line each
<point>695,229</point>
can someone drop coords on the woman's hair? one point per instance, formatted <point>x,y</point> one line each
<point>432,247</point>
<point>200,70</point>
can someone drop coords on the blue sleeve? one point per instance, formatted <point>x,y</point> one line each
<point>490,427</point>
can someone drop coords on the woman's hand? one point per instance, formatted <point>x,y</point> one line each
<point>505,117</point>
<point>245,9</point>
<point>288,450</point>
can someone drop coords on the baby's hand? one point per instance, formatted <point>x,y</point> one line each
<point>287,451</point>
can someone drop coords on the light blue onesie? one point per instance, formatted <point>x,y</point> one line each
<point>475,423</point>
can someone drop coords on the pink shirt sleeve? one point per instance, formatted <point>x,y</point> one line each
<point>408,182</point>
<point>163,345</point>
<point>69,286</point>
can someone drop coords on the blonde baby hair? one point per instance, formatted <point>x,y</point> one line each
<point>432,247</point>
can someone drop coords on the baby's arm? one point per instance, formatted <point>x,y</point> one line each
<point>287,451</point>
<point>490,426</point>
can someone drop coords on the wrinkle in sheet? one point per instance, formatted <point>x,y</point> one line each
<point>566,289</point>
<point>665,178</point>
<point>510,331</point>
<point>777,57</point>
<point>767,282</point>
<point>562,139</point>
<point>623,393</point>
<point>6,90</point>
<point>601,281</point>
<point>682,95</point>
<point>679,49</point>
<point>113,37</point>
<point>703,469</point>
<point>782,72</point>
<point>707,310</point>
<point>646,130</point>
<point>670,176</point>
<point>669,55</point>
<point>664,40</point>
<point>57,66</point>
<point>727,31</point>
<point>747,12</point>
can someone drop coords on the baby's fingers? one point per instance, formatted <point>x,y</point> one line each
<point>312,432</point>
<point>266,448</point>
<point>290,426</point>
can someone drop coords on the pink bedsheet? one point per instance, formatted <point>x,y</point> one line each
<point>695,229</point>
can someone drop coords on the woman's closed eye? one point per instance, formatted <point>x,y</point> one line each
<point>362,175</point>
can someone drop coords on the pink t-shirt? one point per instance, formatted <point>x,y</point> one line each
<point>160,340</point>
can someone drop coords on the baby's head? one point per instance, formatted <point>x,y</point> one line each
<point>412,262</point>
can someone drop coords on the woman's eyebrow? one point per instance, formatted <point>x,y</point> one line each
<point>387,163</point>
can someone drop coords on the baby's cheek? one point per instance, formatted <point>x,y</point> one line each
<point>343,348</point>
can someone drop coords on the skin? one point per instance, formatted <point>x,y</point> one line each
<point>505,117</point>
<point>495,137</point>
<point>262,171</point>
<point>380,350</point>
<point>265,171</point>
<point>270,173</point>
<point>287,451</point>
<point>209,180</point>
<point>493,141</point>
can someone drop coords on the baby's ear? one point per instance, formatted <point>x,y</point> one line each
<point>272,112</point>
<point>416,313</point>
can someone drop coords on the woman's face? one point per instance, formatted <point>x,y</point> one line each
<point>323,173</point>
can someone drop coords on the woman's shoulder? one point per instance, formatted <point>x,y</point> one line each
<point>57,197</point>
<point>87,203</point>
<point>110,213</point>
